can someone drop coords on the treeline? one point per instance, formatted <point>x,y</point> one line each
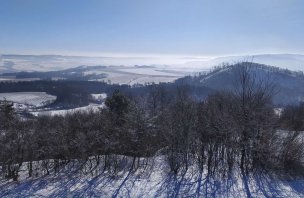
<point>77,93</point>
<point>236,128</point>
<point>69,93</point>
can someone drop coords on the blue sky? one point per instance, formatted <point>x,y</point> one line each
<point>177,27</point>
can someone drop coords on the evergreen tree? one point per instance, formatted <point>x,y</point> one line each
<point>7,114</point>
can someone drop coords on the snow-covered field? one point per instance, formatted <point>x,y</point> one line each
<point>90,107</point>
<point>152,79</point>
<point>148,71</point>
<point>33,100</point>
<point>13,79</point>
<point>118,78</point>
<point>152,180</point>
<point>99,97</point>
<point>136,75</point>
<point>36,99</point>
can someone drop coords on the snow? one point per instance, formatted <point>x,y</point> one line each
<point>36,99</point>
<point>153,180</point>
<point>118,74</point>
<point>151,79</point>
<point>120,78</point>
<point>131,76</point>
<point>99,97</point>
<point>11,63</point>
<point>149,71</point>
<point>278,111</point>
<point>210,75</point>
<point>90,107</point>
<point>18,79</point>
<point>5,79</point>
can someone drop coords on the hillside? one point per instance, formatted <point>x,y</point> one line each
<point>289,84</point>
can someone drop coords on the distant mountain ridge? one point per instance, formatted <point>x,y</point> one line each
<point>45,63</point>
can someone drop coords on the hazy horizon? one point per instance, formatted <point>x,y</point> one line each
<point>167,28</point>
<point>195,34</point>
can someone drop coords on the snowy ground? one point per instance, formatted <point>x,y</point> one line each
<point>137,75</point>
<point>90,107</point>
<point>31,101</point>
<point>98,98</point>
<point>154,180</point>
<point>152,79</point>
<point>36,99</point>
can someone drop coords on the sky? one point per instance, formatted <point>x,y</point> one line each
<point>155,27</point>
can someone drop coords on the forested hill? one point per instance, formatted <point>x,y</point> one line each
<point>289,84</point>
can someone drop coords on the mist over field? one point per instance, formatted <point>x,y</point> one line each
<point>13,63</point>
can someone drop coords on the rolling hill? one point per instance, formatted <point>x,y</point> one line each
<point>289,84</point>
